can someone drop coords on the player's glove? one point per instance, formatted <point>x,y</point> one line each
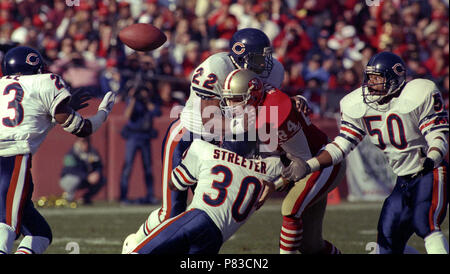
<point>108,102</point>
<point>104,109</point>
<point>78,99</point>
<point>296,170</point>
<point>428,165</point>
<point>301,104</point>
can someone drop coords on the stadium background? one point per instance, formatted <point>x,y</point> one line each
<point>323,45</point>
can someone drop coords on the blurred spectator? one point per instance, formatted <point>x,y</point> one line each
<point>222,21</point>
<point>293,42</point>
<point>82,169</point>
<point>110,78</point>
<point>314,69</point>
<point>80,73</point>
<point>344,33</point>
<point>138,132</point>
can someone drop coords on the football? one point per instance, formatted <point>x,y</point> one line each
<point>142,37</point>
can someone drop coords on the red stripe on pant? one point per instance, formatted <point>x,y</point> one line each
<point>310,184</point>
<point>14,187</point>
<point>158,230</point>
<point>166,206</point>
<point>438,198</point>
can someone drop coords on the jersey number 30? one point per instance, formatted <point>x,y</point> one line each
<point>238,213</point>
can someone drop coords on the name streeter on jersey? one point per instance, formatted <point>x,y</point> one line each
<point>224,181</point>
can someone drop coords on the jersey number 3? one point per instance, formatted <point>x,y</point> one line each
<point>15,104</point>
<point>221,186</point>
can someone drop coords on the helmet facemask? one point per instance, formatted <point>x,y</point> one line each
<point>378,86</point>
<point>260,63</point>
<point>242,89</point>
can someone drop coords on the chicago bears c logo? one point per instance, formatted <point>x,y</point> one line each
<point>32,59</point>
<point>398,69</point>
<point>238,48</point>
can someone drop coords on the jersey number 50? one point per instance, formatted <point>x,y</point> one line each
<point>221,186</point>
<point>400,142</point>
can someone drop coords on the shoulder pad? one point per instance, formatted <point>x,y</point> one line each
<point>415,93</point>
<point>274,98</point>
<point>353,105</point>
<point>200,148</point>
<point>276,76</point>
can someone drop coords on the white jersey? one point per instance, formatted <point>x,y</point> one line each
<point>27,108</point>
<point>206,83</point>
<point>401,130</point>
<point>228,185</point>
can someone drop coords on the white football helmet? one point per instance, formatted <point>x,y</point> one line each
<point>242,87</point>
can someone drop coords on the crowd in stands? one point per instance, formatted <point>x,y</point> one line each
<point>323,44</point>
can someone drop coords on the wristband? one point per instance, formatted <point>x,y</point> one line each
<point>435,156</point>
<point>313,164</point>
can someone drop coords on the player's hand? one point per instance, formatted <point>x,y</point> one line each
<point>301,104</point>
<point>296,170</point>
<point>79,98</point>
<point>108,102</point>
<point>428,166</point>
<point>268,189</point>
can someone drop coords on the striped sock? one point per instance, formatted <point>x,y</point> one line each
<point>291,235</point>
<point>33,245</point>
<point>24,250</point>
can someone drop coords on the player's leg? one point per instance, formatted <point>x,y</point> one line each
<point>313,242</point>
<point>394,223</point>
<point>130,153</point>
<point>147,166</point>
<point>36,231</point>
<point>15,184</point>
<point>430,207</point>
<point>305,193</point>
<point>189,232</point>
<point>176,141</point>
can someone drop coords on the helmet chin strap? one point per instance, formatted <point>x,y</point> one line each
<point>234,62</point>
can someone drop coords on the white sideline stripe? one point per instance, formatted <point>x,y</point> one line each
<point>91,241</point>
<point>114,210</point>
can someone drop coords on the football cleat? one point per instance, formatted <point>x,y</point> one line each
<point>129,244</point>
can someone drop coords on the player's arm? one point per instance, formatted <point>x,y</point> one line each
<point>74,123</point>
<point>434,126</point>
<point>186,173</point>
<point>350,135</point>
<point>268,189</point>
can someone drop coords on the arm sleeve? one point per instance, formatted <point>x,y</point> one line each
<point>433,117</point>
<point>52,91</point>
<point>351,133</point>
<point>186,173</point>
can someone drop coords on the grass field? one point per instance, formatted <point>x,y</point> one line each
<point>101,228</point>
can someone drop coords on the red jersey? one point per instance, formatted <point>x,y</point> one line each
<point>295,132</point>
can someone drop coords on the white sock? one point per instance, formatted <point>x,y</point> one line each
<point>436,243</point>
<point>7,237</point>
<point>33,245</point>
